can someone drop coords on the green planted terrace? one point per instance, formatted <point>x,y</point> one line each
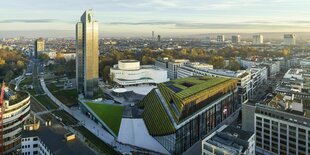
<point>192,85</point>
<point>183,98</point>
<point>155,117</point>
<point>111,115</point>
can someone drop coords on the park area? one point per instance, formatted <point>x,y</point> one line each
<point>69,97</point>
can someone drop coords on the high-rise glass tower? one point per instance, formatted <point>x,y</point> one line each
<point>87,52</point>
<point>38,46</point>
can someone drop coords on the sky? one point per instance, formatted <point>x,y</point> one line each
<point>165,17</point>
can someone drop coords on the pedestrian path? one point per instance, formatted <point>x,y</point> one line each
<point>87,122</point>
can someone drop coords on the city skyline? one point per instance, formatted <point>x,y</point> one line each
<point>177,17</point>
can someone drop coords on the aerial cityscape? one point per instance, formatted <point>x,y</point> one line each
<point>155,77</point>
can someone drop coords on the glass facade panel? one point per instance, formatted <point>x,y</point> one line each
<point>198,127</point>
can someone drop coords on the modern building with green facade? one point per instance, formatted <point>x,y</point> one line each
<point>181,112</point>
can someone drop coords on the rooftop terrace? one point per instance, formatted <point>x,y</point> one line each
<point>168,106</point>
<point>187,87</point>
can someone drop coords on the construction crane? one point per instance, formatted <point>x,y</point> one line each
<point>1,119</point>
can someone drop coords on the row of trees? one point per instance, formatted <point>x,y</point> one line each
<point>61,66</point>
<point>12,64</point>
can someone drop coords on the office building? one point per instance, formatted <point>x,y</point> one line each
<point>282,125</point>
<point>49,140</point>
<point>235,39</point>
<point>259,78</point>
<point>173,66</point>
<point>258,39</point>
<point>180,112</point>
<point>290,39</point>
<point>229,140</point>
<point>39,46</point>
<point>220,38</point>
<point>34,146</point>
<point>87,52</point>
<point>162,63</point>
<point>242,76</point>
<point>130,72</point>
<point>273,67</point>
<point>16,111</point>
<point>295,82</point>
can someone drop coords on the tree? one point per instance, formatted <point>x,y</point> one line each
<point>20,64</point>
<point>43,57</point>
<point>286,52</point>
<point>217,61</point>
<point>106,73</point>
<point>2,61</point>
<point>60,58</point>
<point>233,64</point>
<point>8,76</point>
<point>183,52</point>
<point>112,76</point>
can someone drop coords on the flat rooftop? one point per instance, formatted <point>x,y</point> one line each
<point>53,138</point>
<point>241,134</point>
<point>232,139</point>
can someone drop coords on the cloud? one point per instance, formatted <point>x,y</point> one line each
<point>28,21</point>
<point>144,23</point>
<point>241,25</point>
<point>34,21</point>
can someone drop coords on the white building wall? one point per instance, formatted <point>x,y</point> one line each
<point>289,39</point>
<point>34,146</point>
<point>146,74</point>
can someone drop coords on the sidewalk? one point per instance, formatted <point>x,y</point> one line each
<point>87,122</point>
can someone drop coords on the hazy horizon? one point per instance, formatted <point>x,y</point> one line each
<point>170,18</point>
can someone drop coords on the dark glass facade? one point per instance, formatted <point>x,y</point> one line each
<point>199,125</point>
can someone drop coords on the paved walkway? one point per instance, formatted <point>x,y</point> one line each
<point>87,122</point>
<point>17,80</point>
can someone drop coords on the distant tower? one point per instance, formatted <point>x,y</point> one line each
<point>290,39</point>
<point>258,39</point>
<point>153,35</point>
<point>220,38</point>
<point>38,47</point>
<point>87,52</point>
<point>158,38</point>
<point>235,39</point>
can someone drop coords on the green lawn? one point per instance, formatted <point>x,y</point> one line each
<point>67,97</point>
<point>111,115</point>
<point>26,81</point>
<point>45,101</point>
<point>94,141</point>
<point>66,118</point>
<point>52,87</point>
<point>31,91</point>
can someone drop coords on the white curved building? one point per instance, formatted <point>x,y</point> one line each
<point>17,108</point>
<point>130,72</point>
